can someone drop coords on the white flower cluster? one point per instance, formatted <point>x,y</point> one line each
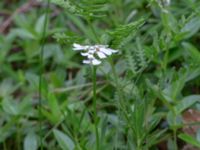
<point>94,53</point>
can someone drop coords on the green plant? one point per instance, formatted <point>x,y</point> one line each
<point>133,100</point>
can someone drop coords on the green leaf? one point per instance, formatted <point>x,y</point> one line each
<point>169,22</point>
<point>186,102</point>
<point>30,142</point>
<point>193,73</point>
<point>193,52</point>
<point>10,106</point>
<point>40,25</point>
<point>63,140</point>
<point>7,87</point>
<point>24,33</point>
<point>191,27</point>
<point>189,139</point>
<point>54,107</point>
<point>156,137</point>
<point>174,89</point>
<point>32,80</point>
<point>173,120</point>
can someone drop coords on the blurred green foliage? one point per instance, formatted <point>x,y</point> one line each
<point>157,70</point>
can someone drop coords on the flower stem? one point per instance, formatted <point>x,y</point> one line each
<point>95,107</point>
<point>174,132</point>
<point>41,71</point>
<point>175,139</point>
<point>4,145</point>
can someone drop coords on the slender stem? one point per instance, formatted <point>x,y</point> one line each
<point>174,134</point>
<point>95,107</point>
<point>41,73</point>
<point>18,137</point>
<point>138,145</point>
<point>175,139</point>
<point>4,145</point>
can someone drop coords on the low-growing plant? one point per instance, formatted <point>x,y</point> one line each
<point>136,75</point>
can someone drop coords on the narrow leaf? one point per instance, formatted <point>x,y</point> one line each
<point>189,139</point>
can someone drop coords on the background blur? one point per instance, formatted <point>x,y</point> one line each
<point>158,70</point>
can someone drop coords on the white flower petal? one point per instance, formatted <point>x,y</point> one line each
<point>78,47</point>
<point>85,54</point>
<point>101,46</point>
<point>113,51</point>
<point>105,51</point>
<point>101,55</point>
<point>87,61</point>
<point>91,50</point>
<point>96,62</point>
<point>92,62</point>
<point>91,56</point>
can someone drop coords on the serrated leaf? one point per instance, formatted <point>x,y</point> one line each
<point>124,33</point>
<point>80,8</point>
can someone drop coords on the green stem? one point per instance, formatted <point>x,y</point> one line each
<point>175,139</point>
<point>166,57</point>
<point>18,137</point>
<point>95,107</point>
<point>4,145</point>
<point>41,73</point>
<point>138,146</point>
<point>174,134</point>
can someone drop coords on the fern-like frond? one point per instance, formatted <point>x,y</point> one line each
<point>125,33</point>
<point>68,5</point>
<point>136,58</point>
<point>81,8</point>
<point>67,37</point>
<point>140,53</point>
<point>131,61</point>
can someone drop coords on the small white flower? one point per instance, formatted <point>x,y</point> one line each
<point>92,61</point>
<point>101,55</point>
<point>78,47</point>
<point>94,52</point>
